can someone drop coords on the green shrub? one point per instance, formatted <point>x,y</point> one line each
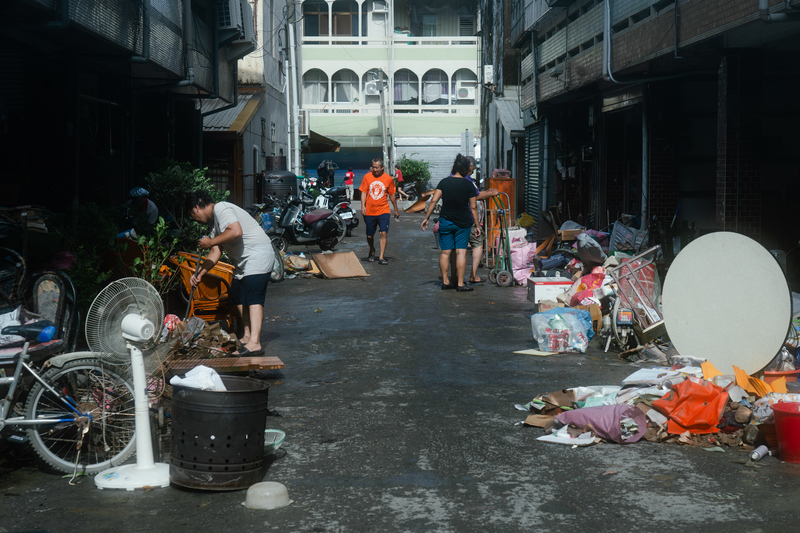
<point>417,171</point>
<point>169,185</point>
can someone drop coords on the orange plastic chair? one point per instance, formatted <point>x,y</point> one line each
<point>210,297</point>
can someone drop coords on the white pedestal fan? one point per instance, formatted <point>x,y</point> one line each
<point>124,317</point>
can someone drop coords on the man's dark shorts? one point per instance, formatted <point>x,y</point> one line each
<point>372,223</point>
<point>250,290</point>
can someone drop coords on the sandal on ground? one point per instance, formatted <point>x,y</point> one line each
<point>447,286</point>
<point>478,280</point>
<point>371,258</point>
<point>464,288</point>
<point>383,262</point>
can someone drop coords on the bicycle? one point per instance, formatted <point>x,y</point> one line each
<point>78,413</point>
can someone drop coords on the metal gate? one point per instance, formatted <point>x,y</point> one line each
<point>533,171</point>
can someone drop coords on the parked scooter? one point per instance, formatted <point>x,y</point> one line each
<point>410,189</point>
<point>321,226</point>
<point>336,199</point>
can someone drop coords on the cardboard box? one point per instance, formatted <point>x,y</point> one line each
<point>597,315</point>
<point>570,234</point>
<point>546,305</point>
<point>546,288</point>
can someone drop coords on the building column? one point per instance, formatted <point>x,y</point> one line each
<point>738,194</point>
<point>330,20</point>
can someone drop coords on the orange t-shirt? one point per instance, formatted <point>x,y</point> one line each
<point>374,193</point>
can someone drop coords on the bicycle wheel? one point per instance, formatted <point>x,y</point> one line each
<point>102,392</point>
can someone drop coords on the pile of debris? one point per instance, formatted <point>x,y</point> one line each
<point>684,404</point>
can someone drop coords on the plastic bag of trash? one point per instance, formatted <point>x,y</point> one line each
<point>783,362</point>
<point>560,330</point>
<point>200,377</point>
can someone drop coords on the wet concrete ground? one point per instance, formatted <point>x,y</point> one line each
<point>398,404</point>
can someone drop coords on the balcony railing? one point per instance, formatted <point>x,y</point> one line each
<point>375,110</point>
<point>399,40</point>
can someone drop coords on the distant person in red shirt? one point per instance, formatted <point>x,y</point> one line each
<point>399,177</point>
<point>348,182</point>
<point>377,188</point>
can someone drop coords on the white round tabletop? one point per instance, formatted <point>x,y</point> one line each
<point>726,299</point>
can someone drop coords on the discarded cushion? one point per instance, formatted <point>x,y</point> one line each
<point>605,421</point>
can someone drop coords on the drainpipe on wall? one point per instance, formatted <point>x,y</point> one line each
<point>145,57</point>
<point>645,159</point>
<point>535,74</point>
<point>288,109</point>
<point>675,24</point>
<point>607,75</point>
<point>391,154</point>
<point>790,14</point>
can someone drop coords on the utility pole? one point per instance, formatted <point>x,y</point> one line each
<point>383,118</point>
<point>295,105</point>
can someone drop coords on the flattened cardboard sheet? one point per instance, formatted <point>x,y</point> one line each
<point>339,265</point>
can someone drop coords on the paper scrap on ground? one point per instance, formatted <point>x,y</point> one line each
<point>539,421</point>
<point>562,436</point>
<point>533,351</point>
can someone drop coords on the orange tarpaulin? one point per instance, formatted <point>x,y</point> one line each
<point>694,406</point>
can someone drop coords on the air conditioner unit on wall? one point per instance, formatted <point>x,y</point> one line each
<point>372,88</point>
<point>465,93</point>
<point>378,6</point>
<point>305,122</point>
<point>229,16</point>
<point>246,44</point>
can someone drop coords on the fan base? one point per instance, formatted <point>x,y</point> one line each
<point>130,477</point>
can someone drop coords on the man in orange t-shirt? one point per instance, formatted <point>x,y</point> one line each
<point>377,188</point>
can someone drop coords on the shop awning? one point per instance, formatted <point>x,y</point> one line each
<point>508,111</point>
<point>316,144</point>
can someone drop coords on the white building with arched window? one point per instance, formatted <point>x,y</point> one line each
<point>423,53</point>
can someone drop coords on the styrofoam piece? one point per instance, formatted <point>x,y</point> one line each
<point>726,299</point>
<point>267,495</point>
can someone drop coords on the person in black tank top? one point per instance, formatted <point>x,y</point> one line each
<point>455,221</point>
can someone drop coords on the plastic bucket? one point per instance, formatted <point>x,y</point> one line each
<point>218,436</point>
<point>787,425</point>
<point>790,375</point>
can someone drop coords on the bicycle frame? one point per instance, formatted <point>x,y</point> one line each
<point>8,402</point>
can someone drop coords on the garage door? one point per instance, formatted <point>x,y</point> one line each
<point>440,153</point>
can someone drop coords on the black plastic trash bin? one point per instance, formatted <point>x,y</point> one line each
<point>218,437</point>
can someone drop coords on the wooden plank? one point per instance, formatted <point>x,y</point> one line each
<point>229,364</point>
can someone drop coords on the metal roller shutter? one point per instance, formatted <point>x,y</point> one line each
<point>533,170</point>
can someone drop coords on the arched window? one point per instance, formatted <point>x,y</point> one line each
<point>315,87</point>
<point>406,88</point>
<point>464,87</point>
<point>345,86</point>
<point>435,87</point>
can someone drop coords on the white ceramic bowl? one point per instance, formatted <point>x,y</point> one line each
<point>267,495</point>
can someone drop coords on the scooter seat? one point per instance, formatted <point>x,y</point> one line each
<point>318,214</point>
